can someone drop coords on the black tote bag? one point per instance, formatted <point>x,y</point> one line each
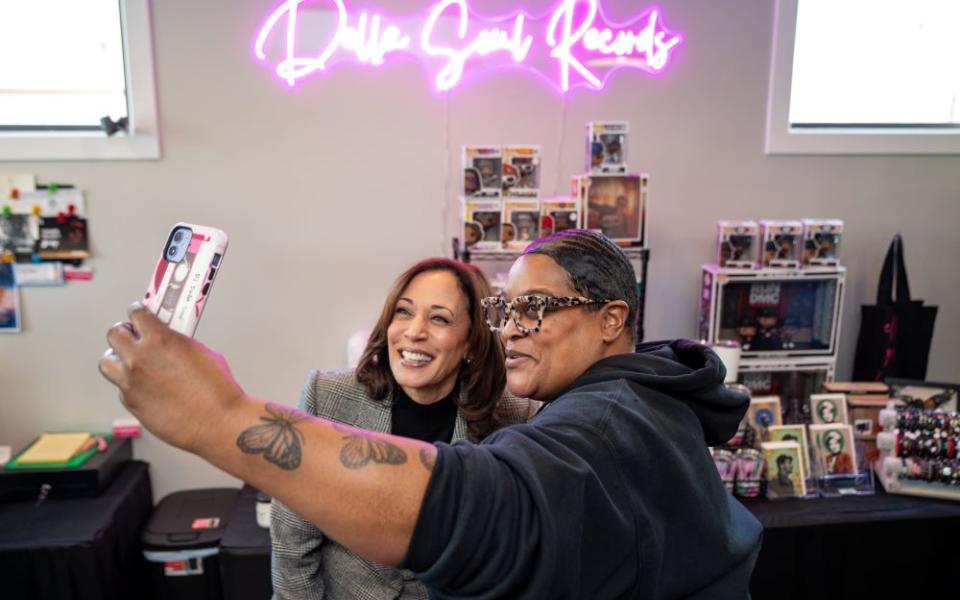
<point>895,334</point>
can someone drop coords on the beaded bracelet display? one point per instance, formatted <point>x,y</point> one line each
<point>927,441</point>
<point>945,472</point>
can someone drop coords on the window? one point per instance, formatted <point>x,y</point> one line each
<point>67,64</point>
<point>865,77</point>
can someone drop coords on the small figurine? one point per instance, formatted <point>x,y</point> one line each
<point>747,330</point>
<point>768,331</point>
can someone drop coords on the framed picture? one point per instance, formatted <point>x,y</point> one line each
<point>784,469</point>
<point>826,409</point>
<point>764,412</point>
<point>833,449</point>
<point>798,434</point>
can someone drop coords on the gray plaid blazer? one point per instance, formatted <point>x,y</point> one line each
<point>306,565</point>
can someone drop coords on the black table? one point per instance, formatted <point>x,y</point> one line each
<point>77,548</point>
<point>852,547</point>
<point>245,552</point>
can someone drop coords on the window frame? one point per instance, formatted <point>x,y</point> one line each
<point>142,142</point>
<point>782,139</point>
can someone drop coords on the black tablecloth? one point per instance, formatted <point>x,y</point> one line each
<point>245,552</point>
<point>851,547</point>
<point>77,548</point>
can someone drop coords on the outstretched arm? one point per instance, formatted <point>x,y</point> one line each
<point>362,489</point>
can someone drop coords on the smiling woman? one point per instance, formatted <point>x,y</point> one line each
<point>432,370</point>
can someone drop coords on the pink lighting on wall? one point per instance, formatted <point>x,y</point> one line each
<point>577,39</point>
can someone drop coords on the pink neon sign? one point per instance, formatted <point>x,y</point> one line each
<point>583,47</point>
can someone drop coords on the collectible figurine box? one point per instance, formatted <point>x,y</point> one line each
<point>821,241</point>
<point>607,147</point>
<point>557,214</point>
<point>521,172</point>
<point>737,243</point>
<point>482,169</point>
<point>772,313</point>
<point>614,205</point>
<point>781,243</point>
<point>521,224</point>
<point>482,224</point>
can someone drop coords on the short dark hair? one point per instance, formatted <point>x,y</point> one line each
<point>483,379</point>
<point>782,459</point>
<point>597,267</point>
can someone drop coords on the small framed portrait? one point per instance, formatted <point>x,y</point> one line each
<point>764,413</point>
<point>833,449</point>
<point>798,434</point>
<point>9,300</point>
<point>826,409</point>
<point>784,468</point>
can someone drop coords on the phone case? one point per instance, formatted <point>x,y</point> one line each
<point>179,290</point>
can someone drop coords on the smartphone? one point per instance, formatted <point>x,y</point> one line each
<point>184,275</point>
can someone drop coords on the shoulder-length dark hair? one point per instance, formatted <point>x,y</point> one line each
<point>482,380</point>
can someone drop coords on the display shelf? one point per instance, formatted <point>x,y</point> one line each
<point>774,314</point>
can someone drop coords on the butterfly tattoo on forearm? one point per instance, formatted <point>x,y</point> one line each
<point>362,449</point>
<point>277,439</point>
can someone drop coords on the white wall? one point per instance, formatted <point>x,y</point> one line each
<point>328,192</point>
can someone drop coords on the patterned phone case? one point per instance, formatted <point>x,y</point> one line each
<point>179,290</point>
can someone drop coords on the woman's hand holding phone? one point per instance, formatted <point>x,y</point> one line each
<point>174,385</point>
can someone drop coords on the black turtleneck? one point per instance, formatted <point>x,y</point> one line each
<point>425,422</point>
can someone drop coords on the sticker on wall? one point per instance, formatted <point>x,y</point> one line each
<point>572,45</point>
